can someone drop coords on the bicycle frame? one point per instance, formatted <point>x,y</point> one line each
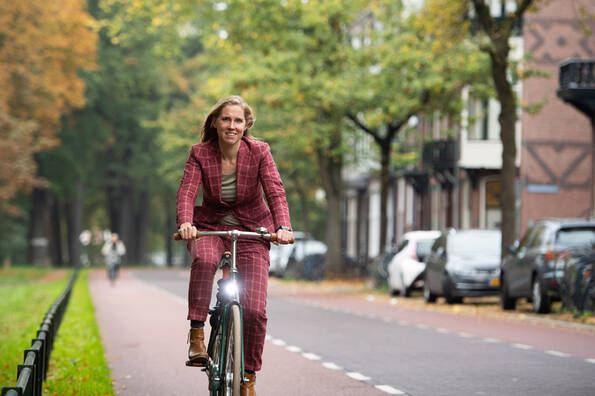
<point>228,295</point>
<point>219,318</point>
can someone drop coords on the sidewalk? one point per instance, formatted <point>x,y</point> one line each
<point>144,332</point>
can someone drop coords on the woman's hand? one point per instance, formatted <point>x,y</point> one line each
<point>188,231</point>
<point>284,236</point>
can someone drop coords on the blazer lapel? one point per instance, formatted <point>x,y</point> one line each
<point>242,167</point>
<point>215,177</point>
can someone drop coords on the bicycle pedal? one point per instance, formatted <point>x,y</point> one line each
<point>196,364</point>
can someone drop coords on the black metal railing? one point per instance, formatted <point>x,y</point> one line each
<point>577,73</point>
<point>33,371</point>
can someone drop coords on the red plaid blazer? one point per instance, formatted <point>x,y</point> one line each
<point>256,171</point>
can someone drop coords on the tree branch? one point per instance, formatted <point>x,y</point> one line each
<point>363,127</point>
<point>484,18</point>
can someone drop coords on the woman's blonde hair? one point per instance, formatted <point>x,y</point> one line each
<point>209,132</point>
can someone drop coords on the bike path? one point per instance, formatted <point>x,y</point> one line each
<point>144,332</point>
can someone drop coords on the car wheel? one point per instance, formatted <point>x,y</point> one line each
<point>541,301</point>
<point>507,302</point>
<point>449,293</point>
<point>428,295</point>
<point>406,291</point>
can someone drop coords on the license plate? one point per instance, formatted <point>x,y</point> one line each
<point>495,282</point>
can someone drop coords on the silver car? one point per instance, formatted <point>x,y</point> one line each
<point>463,264</point>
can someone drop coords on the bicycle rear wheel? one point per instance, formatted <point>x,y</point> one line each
<point>232,358</point>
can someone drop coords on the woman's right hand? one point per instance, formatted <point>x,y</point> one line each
<point>188,231</point>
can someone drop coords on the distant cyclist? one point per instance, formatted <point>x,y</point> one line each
<point>113,250</point>
<point>234,170</point>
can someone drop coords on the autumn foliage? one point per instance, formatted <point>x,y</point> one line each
<point>43,47</point>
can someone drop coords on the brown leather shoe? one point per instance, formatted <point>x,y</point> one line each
<point>197,353</point>
<point>247,387</point>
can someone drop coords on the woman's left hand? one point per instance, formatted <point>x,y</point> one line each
<point>284,237</point>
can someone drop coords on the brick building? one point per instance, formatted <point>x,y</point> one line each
<point>457,182</point>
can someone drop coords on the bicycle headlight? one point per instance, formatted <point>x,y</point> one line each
<point>231,288</point>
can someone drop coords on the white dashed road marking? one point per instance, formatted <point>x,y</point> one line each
<point>358,376</point>
<point>389,389</point>
<point>557,353</point>
<point>311,356</point>
<point>332,366</point>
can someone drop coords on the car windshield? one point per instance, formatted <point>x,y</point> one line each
<point>423,247</point>
<point>568,237</point>
<point>487,243</point>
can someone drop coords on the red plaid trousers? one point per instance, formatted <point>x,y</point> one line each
<point>252,258</point>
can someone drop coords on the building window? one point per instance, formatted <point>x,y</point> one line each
<point>477,111</point>
<point>492,205</point>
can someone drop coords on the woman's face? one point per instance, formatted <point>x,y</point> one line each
<point>230,125</point>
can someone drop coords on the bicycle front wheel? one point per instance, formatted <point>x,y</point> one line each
<point>232,358</point>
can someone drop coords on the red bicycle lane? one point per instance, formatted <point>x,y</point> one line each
<point>144,333</point>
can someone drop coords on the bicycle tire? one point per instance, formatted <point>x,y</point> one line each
<point>232,357</point>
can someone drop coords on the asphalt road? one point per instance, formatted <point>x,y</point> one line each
<point>379,347</point>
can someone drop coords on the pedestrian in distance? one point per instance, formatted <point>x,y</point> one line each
<point>113,250</point>
<point>233,169</point>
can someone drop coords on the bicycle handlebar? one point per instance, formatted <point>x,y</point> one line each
<point>272,236</point>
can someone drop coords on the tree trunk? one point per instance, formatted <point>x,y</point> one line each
<point>126,228</point>
<point>141,225</point>
<point>74,220</point>
<point>38,253</point>
<point>384,184</point>
<point>170,226</point>
<point>55,231</point>
<point>330,169</point>
<point>507,119</point>
<point>304,204</point>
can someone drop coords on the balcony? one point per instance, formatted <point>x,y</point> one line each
<point>577,85</point>
<point>439,154</point>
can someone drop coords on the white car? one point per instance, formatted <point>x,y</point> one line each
<point>406,269</point>
<point>280,255</point>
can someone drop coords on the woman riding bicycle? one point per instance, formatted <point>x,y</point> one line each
<point>234,170</point>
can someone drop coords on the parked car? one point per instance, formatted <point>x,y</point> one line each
<point>280,254</point>
<point>307,260</point>
<point>529,269</point>
<point>464,263</point>
<point>406,268</point>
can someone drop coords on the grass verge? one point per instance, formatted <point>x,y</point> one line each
<point>78,365</point>
<point>26,294</point>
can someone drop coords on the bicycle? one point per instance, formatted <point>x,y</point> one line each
<point>225,365</point>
